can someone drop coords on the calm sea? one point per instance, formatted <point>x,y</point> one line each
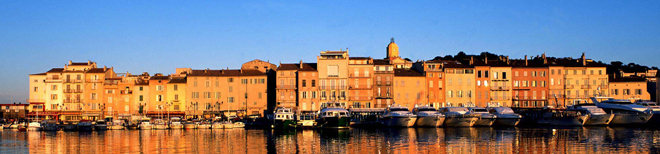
<point>354,140</point>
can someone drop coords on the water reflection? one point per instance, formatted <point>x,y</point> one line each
<point>383,140</point>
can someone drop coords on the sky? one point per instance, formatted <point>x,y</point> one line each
<point>159,36</point>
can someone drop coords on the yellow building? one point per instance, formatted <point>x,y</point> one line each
<point>410,88</point>
<point>360,82</point>
<point>458,81</point>
<point>333,76</point>
<point>632,88</point>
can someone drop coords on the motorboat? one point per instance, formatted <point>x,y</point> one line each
<point>34,126</point>
<point>132,124</point>
<point>70,125</point>
<point>175,123</point>
<point>505,116</point>
<point>85,125</point>
<point>283,118</point>
<point>655,108</point>
<point>239,124</point>
<point>206,124</point>
<point>50,125</point>
<point>306,121</point>
<point>116,125</point>
<point>145,124</point>
<point>485,117</point>
<point>334,116</point>
<point>625,112</point>
<point>458,117</point>
<point>399,116</point>
<point>561,117</point>
<point>159,124</point>
<point>428,117</point>
<point>593,114</point>
<point>189,125</point>
<point>100,125</point>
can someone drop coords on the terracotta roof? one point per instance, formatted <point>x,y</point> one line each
<point>360,58</point>
<point>177,80</point>
<point>627,79</point>
<point>56,70</point>
<point>407,72</point>
<point>308,67</point>
<point>455,65</point>
<point>96,70</point>
<point>142,82</point>
<point>296,66</point>
<point>287,67</point>
<point>39,74</point>
<point>226,73</point>
<point>530,63</point>
<point>81,63</point>
<point>381,62</point>
<point>159,78</point>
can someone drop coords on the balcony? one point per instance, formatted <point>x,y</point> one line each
<point>360,87</point>
<point>500,88</point>
<point>569,86</point>
<point>73,90</point>
<point>71,100</point>
<point>94,80</point>
<point>124,92</point>
<point>584,86</point>
<point>36,101</point>
<point>53,80</point>
<point>359,76</point>
<point>360,98</point>
<point>286,86</point>
<point>332,87</point>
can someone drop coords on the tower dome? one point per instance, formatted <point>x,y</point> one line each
<point>392,49</point>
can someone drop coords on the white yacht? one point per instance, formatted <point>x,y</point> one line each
<point>334,115</point>
<point>175,123</point>
<point>399,116</point>
<point>458,117</point>
<point>428,117</point>
<point>145,124</point>
<point>625,112</point>
<point>592,114</point>
<point>283,118</point>
<point>505,116</point>
<point>32,126</point>
<point>116,124</point>
<point>159,124</point>
<point>485,118</point>
<point>655,108</point>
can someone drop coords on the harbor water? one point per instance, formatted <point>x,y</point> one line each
<point>353,140</point>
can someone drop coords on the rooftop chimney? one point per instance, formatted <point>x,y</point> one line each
<point>545,60</point>
<point>486,59</point>
<point>105,68</point>
<point>301,64</point>
<point>584,61</point>
<point>70,62</point>
<point>525,60</point>
<point>471,60</point>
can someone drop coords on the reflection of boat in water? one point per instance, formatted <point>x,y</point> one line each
<point>428,117</point>
<point>333,115</point>
<point>592,115</point>
<point>505,116</point>
<point>625,112</point>
<point>458,117</point>
<point>189,125</point>
<point>485,117</point>
<point>561,117</point>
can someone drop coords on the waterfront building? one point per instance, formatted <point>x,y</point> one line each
<point>383,76</point>
<point>557,95</point>
<point>631,88</point>
<point>287,85</point>
<point>409,88</point>
<point>459,78</point>
<point>333,75</point>
<point>482,84</point>
<point>360,85</point>
<point>14,110</point>
<point>500,80</point>
<point>433,70</point>
<point>530,82</point>
<point>583,78</point>
<point>297,87</point>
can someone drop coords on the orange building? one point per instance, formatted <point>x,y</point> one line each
<point>482,86</point>
<point>433,70</point>
<point>360,89</point>
<point>458,81</point>
<point>383,81</point>
<point>530,80</point>
<point>631,88</point>
<point>297,87</point>
<point>409,88</point>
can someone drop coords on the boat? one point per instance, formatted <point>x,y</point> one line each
<point>21,127</point>
<point>428,117</point>
<point>189,125</point>
<point>505,116</point>
<point>485,118</point>
<point>145,124</point>
<point>116,125</point>
<point>625,112</point>
<point>334,116</point>
<point>159,124</point>
<point>399,116</point>
<point>239,125</point>
<point>34,126</point>
<point>206,124</point>
<point>175,123</point>
<point>132,124</point>
<point>306,121</point>
<point>70,125</point>
<point>100,125</point>
<point>50,125</point>
<point>554,116</point>
<point>458,117</point>
<point>84,125</point>
<point>218,123</point>
<point>655,109</point>
<point>283,118</point>
<point>593,114</point>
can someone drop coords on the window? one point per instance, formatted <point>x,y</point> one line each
<point>304,83</point>
<point>159,88</point>
<point>638,91</point>
<point>304,94</point>
<point>217,83</point>
<point>141,98</point>
<point>53,96</point>
<point>141,88</point>
<point>231,89</point>
<point>194,83</point>
<point>495,75</point>
<point>244,81</point>
<point>478,74</point>
<point>259,95</point>
<point>53,87</point>
<point>230,80</point>
<point>313,83</point>
<point>503,75</point>
<point>93,96</point>
<point>230,99</point>
<point>217,95</point>
<point>35,89</point>
<point>176,87</point>
<point>486,74</point>
<point>159,98</point>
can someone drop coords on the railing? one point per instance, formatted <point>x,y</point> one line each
<point>123,92</point>
<point>286,86</point>
<point>67,81</point>
<point>584,86</point>
<point>331,87</point>
<point>504,88</point>
<point>360,98</point>
<point>388,83</point>
<point>68,90</point>
<point>71,100</point>
<point>603,87</point>
<point>379,83</point>
<point>569,86</point>
<point>359,87</point>
<point>77,90</point>
<point>94,80</point>
<point>36,100</point>
<point>53,80</point>
<point>359,76</point>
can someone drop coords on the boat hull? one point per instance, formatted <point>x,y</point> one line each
<point>604,119</point>
<point>190,126</point>
<point>335,122</point>
<point>146,127</point>
<point>84,128</point>
<point>159,126</point>
<point>284,123</point>
<point>400,121</point>
<point>204,126</point>
<point>51,128</point>
<point>115,127</point>
<point>101,127</point>
<point>176,126</point>
<point>459,121</point>
<point>506,121</point>
<point>429,121</point>
<point>627,119</point>
<point>564,121</point>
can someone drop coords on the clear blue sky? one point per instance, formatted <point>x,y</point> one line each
<point>159,36</point>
